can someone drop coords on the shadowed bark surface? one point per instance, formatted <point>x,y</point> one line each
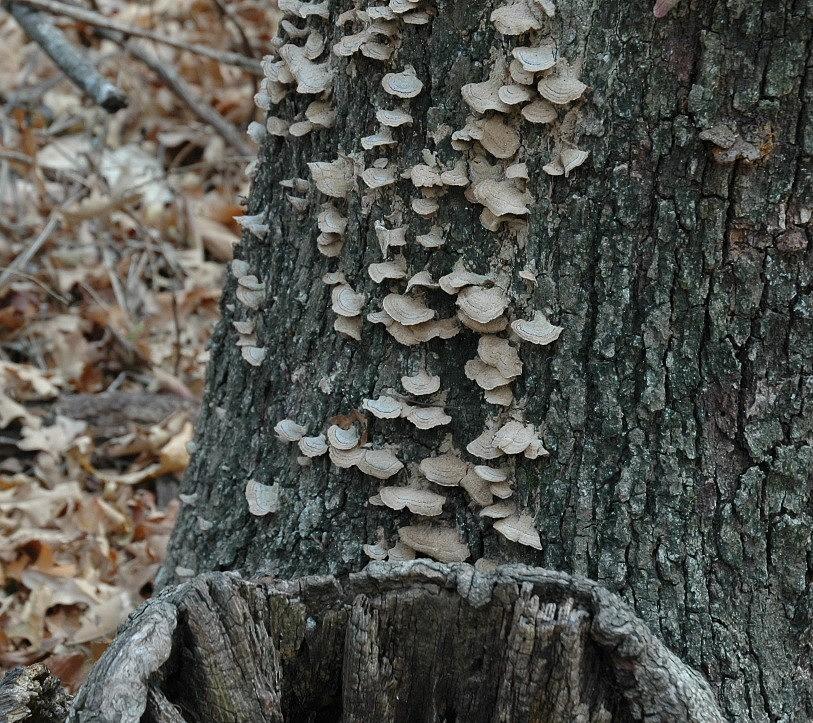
<point>675,404</point>
<point>415,641</point>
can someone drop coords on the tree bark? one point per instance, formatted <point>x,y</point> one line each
<point>676,402</point>
<point>416,641</point>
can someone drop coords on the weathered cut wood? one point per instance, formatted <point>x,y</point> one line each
<point>32,695</point>
<point>418,641</point>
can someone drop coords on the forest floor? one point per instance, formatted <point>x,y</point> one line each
<point>114,235</point>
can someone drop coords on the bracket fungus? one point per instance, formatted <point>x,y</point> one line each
<point>499,138</point>
<point>440,543</point>
<point>540,111</point>
<point>421,384</point>
<point>289,431</point>
<point>517,17</point>
<point>501,197</point>
<point>499,510</point>
<point>406,310</point>
<point>333,178</point>
<point>419,502</point>
<point>254,355</point>
<point>561,87</point>
<point>486,376</point>
<point>428,417</point>
<point>519,528</point>
<point>311,78</point>
<point>536,59</point>
<point>384,407</point>
<point>388,237</point>
<point>377,177</point>
<point>446,470</point>
<point>483,446</point>
<point>537,330</point>
<point>379,463</point>
<point>343,439</point>
<point>313,446</point>
<point>395,269</point>
<point>499,353</point>
<point>482,304</point>
<point>405,84</point>
<point>261,498</point>
<point>347,302</point>
<point>565,160</point>
<point>393,118</point>
<point>485,96</point>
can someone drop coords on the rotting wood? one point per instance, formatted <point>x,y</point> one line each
<point>416,641</point>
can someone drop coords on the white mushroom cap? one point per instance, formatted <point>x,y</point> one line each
<point>515,18</point>
<point>456,176</point>
<point>419,502</point>
<point>428,417</point>
<point>406,310</point>
<point>485,375</point>
<point>261,498</point>
<point>239,268</point>
<point>382,137</point>
<point>348,326</point>
<point>343,439</point>
<point>377,51</point>
<point>400,552</point>
<point>276,126</point>
<point>499,510</point>
<point>514,94</point>
<point>424,176</point>
<point>436,329</point>
<point>253,224</point>
<point>478,489</point>
<point>244,327</point>
<point>447,470</point>
<point>346,458</point>
<point>310,77</point>
<point>378,177</point>
<point>254,355</point>
<point>519,528</point>
<point>379,463</point>
<point>571,158</point>
<point>482,304</point>
<point>424,206</point>
<point>321,114</point>
<point>560,88</point>
<point>313,446</point>
<point>256,131</point>
<point>300,128</point>
<point>514,437</point>
<point>330,220</point>
<point>384,407</point>
<point>421,383</point>
<point>537,330</point>
<point>503,490</point>
<point>347,302</point>
<point>422,279</point>
<point>501,197</point>
<point>333,178</point>
<point>393,118</point>
<point>350,44</point>
<point>490,474</point>
<point>519,74</point>
<point>499,138</point>
<point>403,6</point>
<point>517,170</point>
<point>482,97</point>
<point>501,396</point>
<point>491,327</point>
<point>483,446</point>
<point>395,269</point>
<point>440,543</point>
<point>432,240</point>
<point>535,60</point>
<point>289,431</point>
<point>453,282</point>
<point>499,353</point>
<point>405,84</point>
<point>388,237</point>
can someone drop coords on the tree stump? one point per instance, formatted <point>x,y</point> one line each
<point>417,641</point>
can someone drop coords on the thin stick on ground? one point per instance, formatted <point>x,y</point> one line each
<point>100,21</point>
<point>22,260</point>
<point>181,89</point>
<point>67,57</point>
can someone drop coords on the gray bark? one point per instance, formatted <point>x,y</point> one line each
<point>32,695</point>
<point>415,641</point>
<point>676,403</point>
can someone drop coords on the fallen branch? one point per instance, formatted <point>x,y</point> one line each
<point>411,641</point>
<point>67,57</point>
<point>100,21</point>
<point>185,92</point>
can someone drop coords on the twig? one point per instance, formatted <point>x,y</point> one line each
<point>100,21</point>
<point>227,130</point>
<point>66,57</point>
<point>30,252</point>
<point>8,155</point>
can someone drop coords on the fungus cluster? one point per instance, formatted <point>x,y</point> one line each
<point>530,85</point>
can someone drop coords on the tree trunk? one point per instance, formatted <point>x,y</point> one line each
<point>420,641</point>
<point>674,404</point>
